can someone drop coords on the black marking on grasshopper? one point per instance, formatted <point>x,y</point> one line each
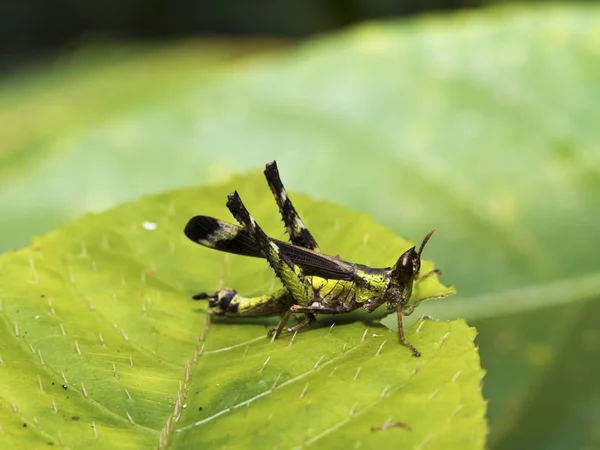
<point>299,234</point>
<point>314,283</point>
<point>240,242</point>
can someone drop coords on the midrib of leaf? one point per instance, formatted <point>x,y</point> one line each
<point>166,433</point>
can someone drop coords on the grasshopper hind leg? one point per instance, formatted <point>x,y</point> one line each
<point>297,231</point>
<point>290,275</point>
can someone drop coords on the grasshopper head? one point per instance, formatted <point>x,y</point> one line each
<point>405,271</point>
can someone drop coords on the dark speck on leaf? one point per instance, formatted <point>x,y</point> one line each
<point>24,425</point>
<point>200,409</point>
<point>75,418</point>
<point>64,386</point>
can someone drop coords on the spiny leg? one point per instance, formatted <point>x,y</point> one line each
<point>306,321</point>
<point>297,231</point>
<point>290,275</point>
<point>309,316</point>
<point>401,338</point>
<point>299,234</point>
<point>275,332</point>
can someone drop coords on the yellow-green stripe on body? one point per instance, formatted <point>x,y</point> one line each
<point>233,305</point>
<point>348,293</point>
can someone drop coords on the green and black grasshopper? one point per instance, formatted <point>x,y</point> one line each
<point>314,283</point>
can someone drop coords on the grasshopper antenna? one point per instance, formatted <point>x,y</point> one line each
<point>436,271</point>
<point>425,240</point>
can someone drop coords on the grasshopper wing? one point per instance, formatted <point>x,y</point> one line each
<point>230,238</point>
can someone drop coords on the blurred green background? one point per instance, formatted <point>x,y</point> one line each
<point>481,123</point>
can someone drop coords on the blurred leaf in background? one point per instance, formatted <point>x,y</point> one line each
<point>36,28</point>
<point>482,125</point>
<point>44,110</point>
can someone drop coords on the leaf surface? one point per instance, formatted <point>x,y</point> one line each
<point>102,345</point>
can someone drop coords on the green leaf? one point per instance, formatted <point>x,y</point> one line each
<point>102,345</point>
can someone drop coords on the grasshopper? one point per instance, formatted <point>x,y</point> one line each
<point>313,282</point>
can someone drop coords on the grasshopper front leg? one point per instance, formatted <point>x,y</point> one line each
<point>401,337</point>
<point>290,275</point>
